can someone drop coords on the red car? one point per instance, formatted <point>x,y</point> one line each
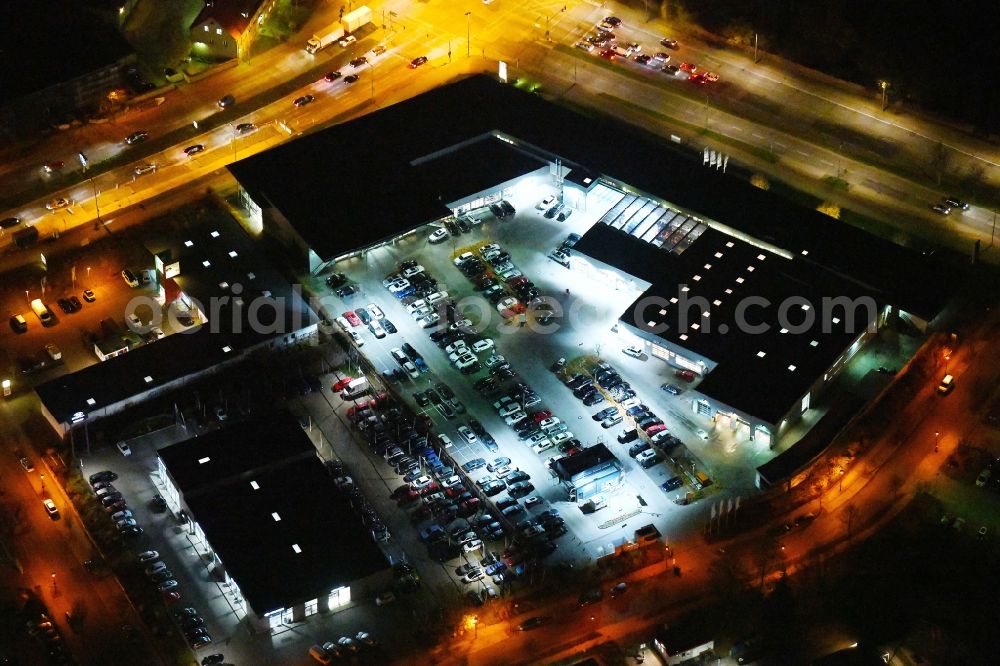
<point>430,488</point>
<point>352,318</point>
<point>408,498</point>
<point>52,167</point>
<point>520,279</point>
<point>609,54</point>
<point>688,67</point>
<point>342,384</point>
<point>653,429</point>
<point>686,375</point>
<point>698,78</point>
<point>540,415</point>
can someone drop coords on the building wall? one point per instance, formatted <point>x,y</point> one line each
<point>211,41</point>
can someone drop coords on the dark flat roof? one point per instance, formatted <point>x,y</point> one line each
<point>257,549</point>
<point>592,456</point>
<point>191,350</point>
<point>367,164</point>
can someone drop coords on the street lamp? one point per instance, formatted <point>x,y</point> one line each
<point>937,436</point>
<point>468,34</point>
<point>841,479</point>
<point>884,85</point>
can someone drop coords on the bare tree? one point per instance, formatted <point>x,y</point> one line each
<point>939,161</point>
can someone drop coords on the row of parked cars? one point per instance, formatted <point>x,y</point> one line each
<point>344,646</point>
<point>191,623</point>
<point>41,627</point>
<point>114,503</point>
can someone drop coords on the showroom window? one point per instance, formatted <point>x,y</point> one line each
<point>340,597</point>
<point>312,607</point>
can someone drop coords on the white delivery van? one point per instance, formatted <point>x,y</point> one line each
<point>356,388</point>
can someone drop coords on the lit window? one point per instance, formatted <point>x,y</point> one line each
<point>277,518</point>
<point>814,343</point>
<point>296,548</point>
<point>739,280</point>
<point>202,461</point>
<point>205,27</point>
<point>232,254</point>
<point>255,485</point>
<point>791,368</point>
<point>218,31</point>
<point>761,354</point>
<point>214,234</point>
<point>188,243</point>
<point>147,379</point>
<point>91,402</point>
<point>206,263</point>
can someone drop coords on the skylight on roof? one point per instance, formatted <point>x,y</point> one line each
<point>791,368</point>
<point>739,280</point>
<point>277,518</point>
<point>296,548</point>
<point>202,461</point>
<point>224,285</point>
<point>729,291</point>
<point>251,276</point>
<point>587,181</point>
<point>836,320</point>
<point>708,267</point>
<point>663,311</point>
<point>91,402</point>
<point>696,326</point>
<point>761,257</point>
<point>232,253</point>
<point>814,343</point>
<point>805,306</point>
<point>696,278</point>
<point>673,300</point>
<point>147,379</point>
<point>705,314</point>
<point>206,263</point>
<point>784,330</point>
<point>214,234</point>
<point>761,354</point>
<point>729,244</point>
<point>651,323</point>
<point>716,302</point>
<point>685,289</point>
<point>255,485</point>
<point>718,255</point>
<point>750,269</point>
<point>188,243</point>
<point>227,349</point>
<point>683,336</point>
<point>805,252</point>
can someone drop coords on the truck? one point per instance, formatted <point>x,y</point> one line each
<point>323,39</point>
<point>354,20</point>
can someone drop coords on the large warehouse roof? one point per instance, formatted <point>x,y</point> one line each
<point>354,184</point>
<point>270,510</point>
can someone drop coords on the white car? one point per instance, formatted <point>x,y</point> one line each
<point>546,203</point>
<point>411,370</point>
<point>439,236</point>
<point>123,448</point>
<point>121,515</point>
<point>343,323</point>
<point>344,43</point>
<point>446,442</point>
<point>125,522</point>
<point>495,360</point>
<point>420,482</point>
<point>467,434</point>
<point>633,351</point>
<point>506,306</point>
<point>399,285</point>
<point>549,423</point>
<point>416,306</point>
<point>455,346</point>
<point>479,346</point>
<point>542,446</point>
<point>437,297</point>
<point>462,258</point>
<point>457,354</point>
<point>376,328</point>
<point>430,320</point>
<point>488,248</point>
<point>645,455</point>
<point>515,417</point>
<point>465,360</point>
<point>53,351</point>
<point>356,338</point>
<point>510,274</point>
<point>538,438</point>
<point>505,400</point>
<point>375,311</point>
<point>410,272</point>
<point>473,545</point>
<point>562,437</point>
<point>559,257</point>
<point>508,409</point>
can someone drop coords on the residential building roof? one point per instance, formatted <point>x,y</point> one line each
<point>232,15</point>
